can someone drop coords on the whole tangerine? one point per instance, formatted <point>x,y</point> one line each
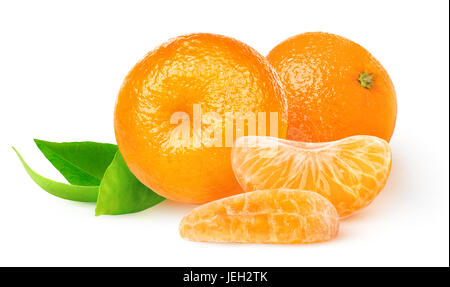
<point>334,87</point>
<point>216,75</point>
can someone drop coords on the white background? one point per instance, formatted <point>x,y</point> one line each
<point>61,66</point>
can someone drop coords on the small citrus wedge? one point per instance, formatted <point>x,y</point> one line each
<point>263,216</point>
<point>348,172</point>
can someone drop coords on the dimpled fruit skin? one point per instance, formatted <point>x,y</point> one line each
<point>350,172</point>
<point>263,216</point>
<point>221,74</point>
<point>326,102</point>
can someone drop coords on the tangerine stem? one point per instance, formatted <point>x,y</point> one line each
<point>365,80</point>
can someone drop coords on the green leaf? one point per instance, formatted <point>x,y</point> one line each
<point>97,172</point>
<point>59,189</point>
<point>121,192</point>
<point>81,163</point>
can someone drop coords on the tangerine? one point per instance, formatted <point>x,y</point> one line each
<point>218,74</point>
<point>334,87</point>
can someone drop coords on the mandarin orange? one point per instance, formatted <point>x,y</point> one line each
<point>335,89</point>
<point>349,172</point>
<point>220,75</point>
<point>263,216</point>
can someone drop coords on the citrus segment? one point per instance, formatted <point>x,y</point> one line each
<point>349,172</point>
<point>263,216</point>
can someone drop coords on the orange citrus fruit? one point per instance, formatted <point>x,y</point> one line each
<point>220,75</point>
<point>348,172</point>
<point>263,216</point>
<point>335,89</point>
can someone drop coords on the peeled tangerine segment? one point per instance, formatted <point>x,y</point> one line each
<point>348,172</point>
<point>263,216</point>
